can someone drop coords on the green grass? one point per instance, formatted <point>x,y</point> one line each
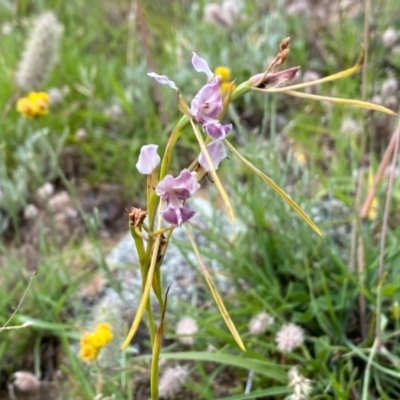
<point>277,265</point>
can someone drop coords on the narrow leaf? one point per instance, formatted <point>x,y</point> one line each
<point>156,351</point>
<point>275,188</point>
<point>260,394</point>
<point>214,292</point>
<point>145,294</point>
<point>264,368</point>
<point>338,100</point>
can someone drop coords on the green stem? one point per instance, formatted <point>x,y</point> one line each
<point>139,247</point>
<point>166,160</point>
<point>150,320</point>
<point>156,349</point>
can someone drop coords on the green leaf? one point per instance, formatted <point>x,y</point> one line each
<point>260,394</point>
<point>265,368</point>
<point>275,188</point>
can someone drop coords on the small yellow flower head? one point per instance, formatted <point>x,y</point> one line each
<point>92,342</point>
<point>35,104</point>
<point>225,75</point>
<point>223,72</point>
<point>103,334</point>
<point>225,87</point>
<point>88,353</point>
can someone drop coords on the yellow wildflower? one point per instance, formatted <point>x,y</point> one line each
<point>225,86</point>
<point>92,342</point>
<point>35,104</point>
<point>88,353</point>
<point>223,72</point>
<point>225,75</point>
<point>103,334</point>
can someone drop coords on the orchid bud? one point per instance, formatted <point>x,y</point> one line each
<point>274,80</point>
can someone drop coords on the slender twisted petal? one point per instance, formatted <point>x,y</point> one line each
<point>163,80</point>
<point>201,65</point>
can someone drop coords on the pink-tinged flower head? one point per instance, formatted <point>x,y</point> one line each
<point>217,153</point>
<point>173,191</point>
<point>289,337</point>
<point>148,159</point>
<point>207,105</point>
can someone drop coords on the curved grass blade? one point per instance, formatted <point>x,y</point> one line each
<point>339,100</point>
<point>275,188</point>
<point>264,368</point>
<point>156,351</point>
<point>260,394</point>
<point>214,292</point>
<point>146,292</point>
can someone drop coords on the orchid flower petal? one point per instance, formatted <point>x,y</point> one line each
<point>217,153</point>
<point>177,216</point>
<point>148,159</point>
<point>201,65</point>
<point>216,130</point>
<point>207,104</point>
<point>173,191</point>
<point>163,80</point>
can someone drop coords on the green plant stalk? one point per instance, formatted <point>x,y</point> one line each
<point>156,349</point>
<point>183,123</point>
<point>149,274</point>
<point>143,270</point>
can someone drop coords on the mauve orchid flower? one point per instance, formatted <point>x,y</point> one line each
<point>217,153</point>
<point>207,105</point>
<point>148,159</point>
<point>175,190</point>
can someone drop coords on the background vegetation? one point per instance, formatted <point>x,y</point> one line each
<point>87,147</point>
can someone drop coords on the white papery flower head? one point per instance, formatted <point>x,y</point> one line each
<point>186,327</point>
<point>260,323</point>
<point>289,337</point>
<point>300,385</point>
<point>171,381</point>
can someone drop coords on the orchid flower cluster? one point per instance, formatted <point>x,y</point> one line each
<point>167,196</point>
